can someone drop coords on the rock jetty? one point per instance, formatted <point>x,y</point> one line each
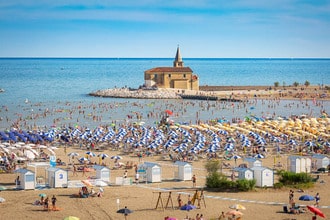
<point>137,94</point>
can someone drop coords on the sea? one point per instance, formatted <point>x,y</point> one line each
<point>52,92</point>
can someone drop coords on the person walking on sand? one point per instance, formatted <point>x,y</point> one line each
<point>46,203</point>
<point>84,170</point>
<point>75,170</point>
<point>194,181</point>
<point>54,202</point>
<point>317,199</point>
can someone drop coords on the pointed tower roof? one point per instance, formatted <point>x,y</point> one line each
<point>178,59</point>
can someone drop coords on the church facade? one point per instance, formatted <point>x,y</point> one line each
<point>176,77</point>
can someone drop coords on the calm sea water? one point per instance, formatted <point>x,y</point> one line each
<point>52,83</point>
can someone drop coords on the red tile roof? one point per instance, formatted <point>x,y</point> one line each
<point>170,69</point>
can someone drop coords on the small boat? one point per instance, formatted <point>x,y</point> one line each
<point>2,90</point>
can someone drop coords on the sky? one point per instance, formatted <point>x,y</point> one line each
<point>154,28</point>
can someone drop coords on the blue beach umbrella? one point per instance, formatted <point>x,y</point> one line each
<point>90,153</point>
<point>306,198</point>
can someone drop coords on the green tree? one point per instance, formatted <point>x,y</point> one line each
<point>296,84</point>
<point>276,84</point>
<point>307,83</point>
<point>212,166</point>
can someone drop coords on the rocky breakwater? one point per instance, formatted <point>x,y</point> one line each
<point>137,94</point>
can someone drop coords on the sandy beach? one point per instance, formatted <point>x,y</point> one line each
<point>142,198</point>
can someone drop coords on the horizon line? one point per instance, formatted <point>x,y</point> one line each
<point>264,58</point>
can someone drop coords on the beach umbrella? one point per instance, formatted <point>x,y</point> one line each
<point>73,154</point>
<point>235,157</point>
<point>306,198</point>
<point>237,207</point>
<point>83,159</point>
<point>260,156</point>
<point>103,155</point>
<point>90,153</point>
<point>2,188</point>
<point>188,207</point>
<point>42,195</point>
<point>116,157</point>
<point>316,211</point>
<point>2,200</point>
<point>169,112</point>
<point>71,218</point>
<point>125,211</point>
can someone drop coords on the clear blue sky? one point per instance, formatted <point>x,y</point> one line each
<point>154,28</point>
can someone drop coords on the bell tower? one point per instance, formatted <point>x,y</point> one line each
<point>178,59</point>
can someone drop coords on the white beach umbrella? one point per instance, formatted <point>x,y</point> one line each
<point>73,154</point>
<point>29,154</point>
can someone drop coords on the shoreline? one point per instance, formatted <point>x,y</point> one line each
<point>221,93</point>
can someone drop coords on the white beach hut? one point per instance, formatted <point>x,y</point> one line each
<point>263,176</point>
<point>253,162</point>
<point>321,161</point>
<point>153,172</point>
<point>184,171</point>
<point>57,177</point>
<point>26,179</point>
<point>299,164</point>
<point>102,173</point>
<point>244,173</point>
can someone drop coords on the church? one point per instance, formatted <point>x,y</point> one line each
<point>176,77</point>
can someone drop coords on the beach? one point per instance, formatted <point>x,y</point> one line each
<point>261,203</point>
<point>142,198</point>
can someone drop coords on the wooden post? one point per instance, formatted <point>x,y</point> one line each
<point>160,200</point>
<point>168,200</point>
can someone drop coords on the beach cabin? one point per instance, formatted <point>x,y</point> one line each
<point>57,177</point>
<point>253,162</point>
<point>184,171</point>
<point>244,173</point>
<point>26,179</point>
<point>102,173</point>
<point>264,176</point>
<point>320,161</point>
<point>299,164</point>
<point>153,172</point>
